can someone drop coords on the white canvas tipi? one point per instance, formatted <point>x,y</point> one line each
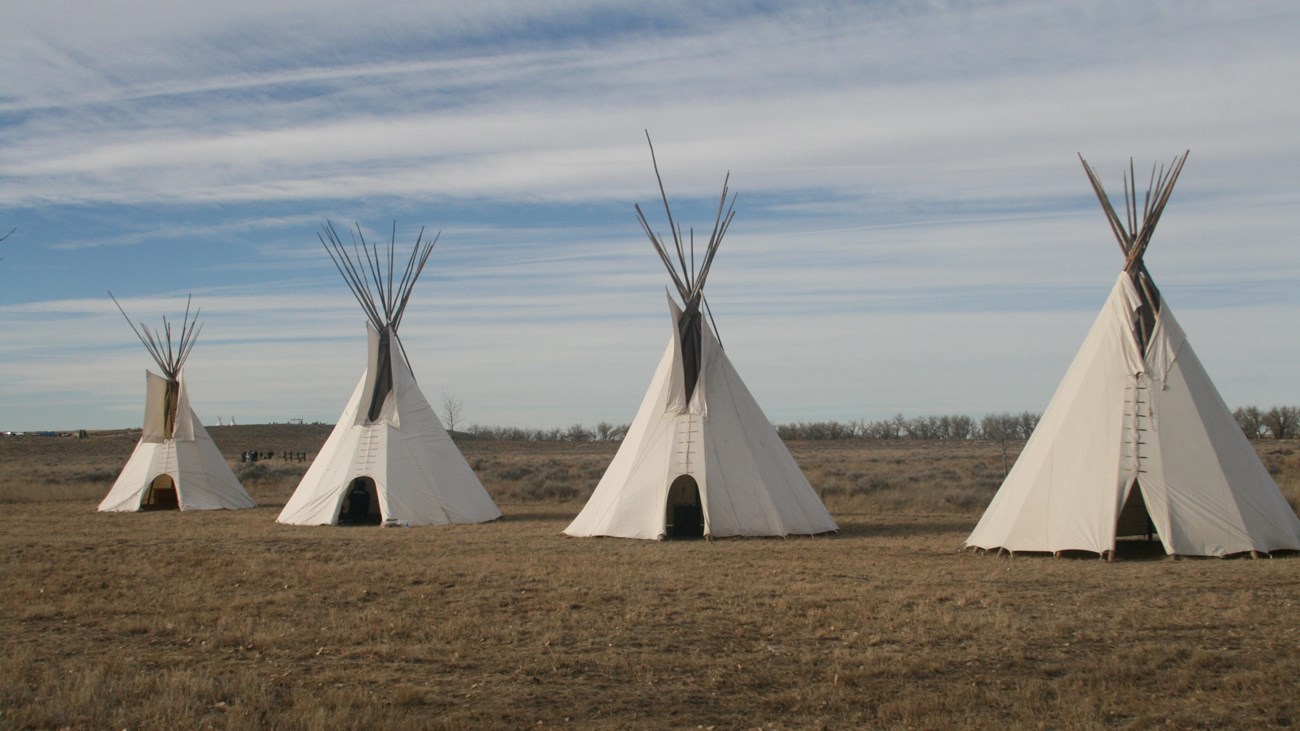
<point>1137,440</point>
<point>175,464</point>
<point>700,458</point>
<point>388,458</point>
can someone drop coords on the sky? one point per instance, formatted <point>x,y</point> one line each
<point>913,234</point>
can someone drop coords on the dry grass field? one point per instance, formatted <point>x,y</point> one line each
<point>229,620</point>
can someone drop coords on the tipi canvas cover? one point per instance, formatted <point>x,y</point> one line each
<point>388,441</point>
<point>1137,432</point>
<point>175,463</point>
<point>700,458</point>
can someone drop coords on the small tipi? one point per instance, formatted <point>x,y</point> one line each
<point>175,464</point>
<point>700,458</point>
<point>389,458</point>
<point>1137,440</point>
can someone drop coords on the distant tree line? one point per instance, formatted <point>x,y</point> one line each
<point>1002,427</point>
<point>1278,422</point>
<point>602,432</point>
<point>997,427</point>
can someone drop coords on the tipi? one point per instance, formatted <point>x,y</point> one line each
<point>388,458</point>
<point>175,464</point>
<point>700,458</point>
<point>1137,440</point>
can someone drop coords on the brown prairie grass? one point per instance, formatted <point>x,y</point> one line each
<point>230,620</point>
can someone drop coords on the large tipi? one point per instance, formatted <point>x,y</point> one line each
<point>1137,440</point>
<point>388,458</point>
<point>175,464</point>
<point>700,458</point>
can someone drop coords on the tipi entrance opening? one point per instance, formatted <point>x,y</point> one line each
<point>360,504</point>
<point>1135,534</point>
<point>1134,520</point>
<point>161,495</point>
<point>685,516</point>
